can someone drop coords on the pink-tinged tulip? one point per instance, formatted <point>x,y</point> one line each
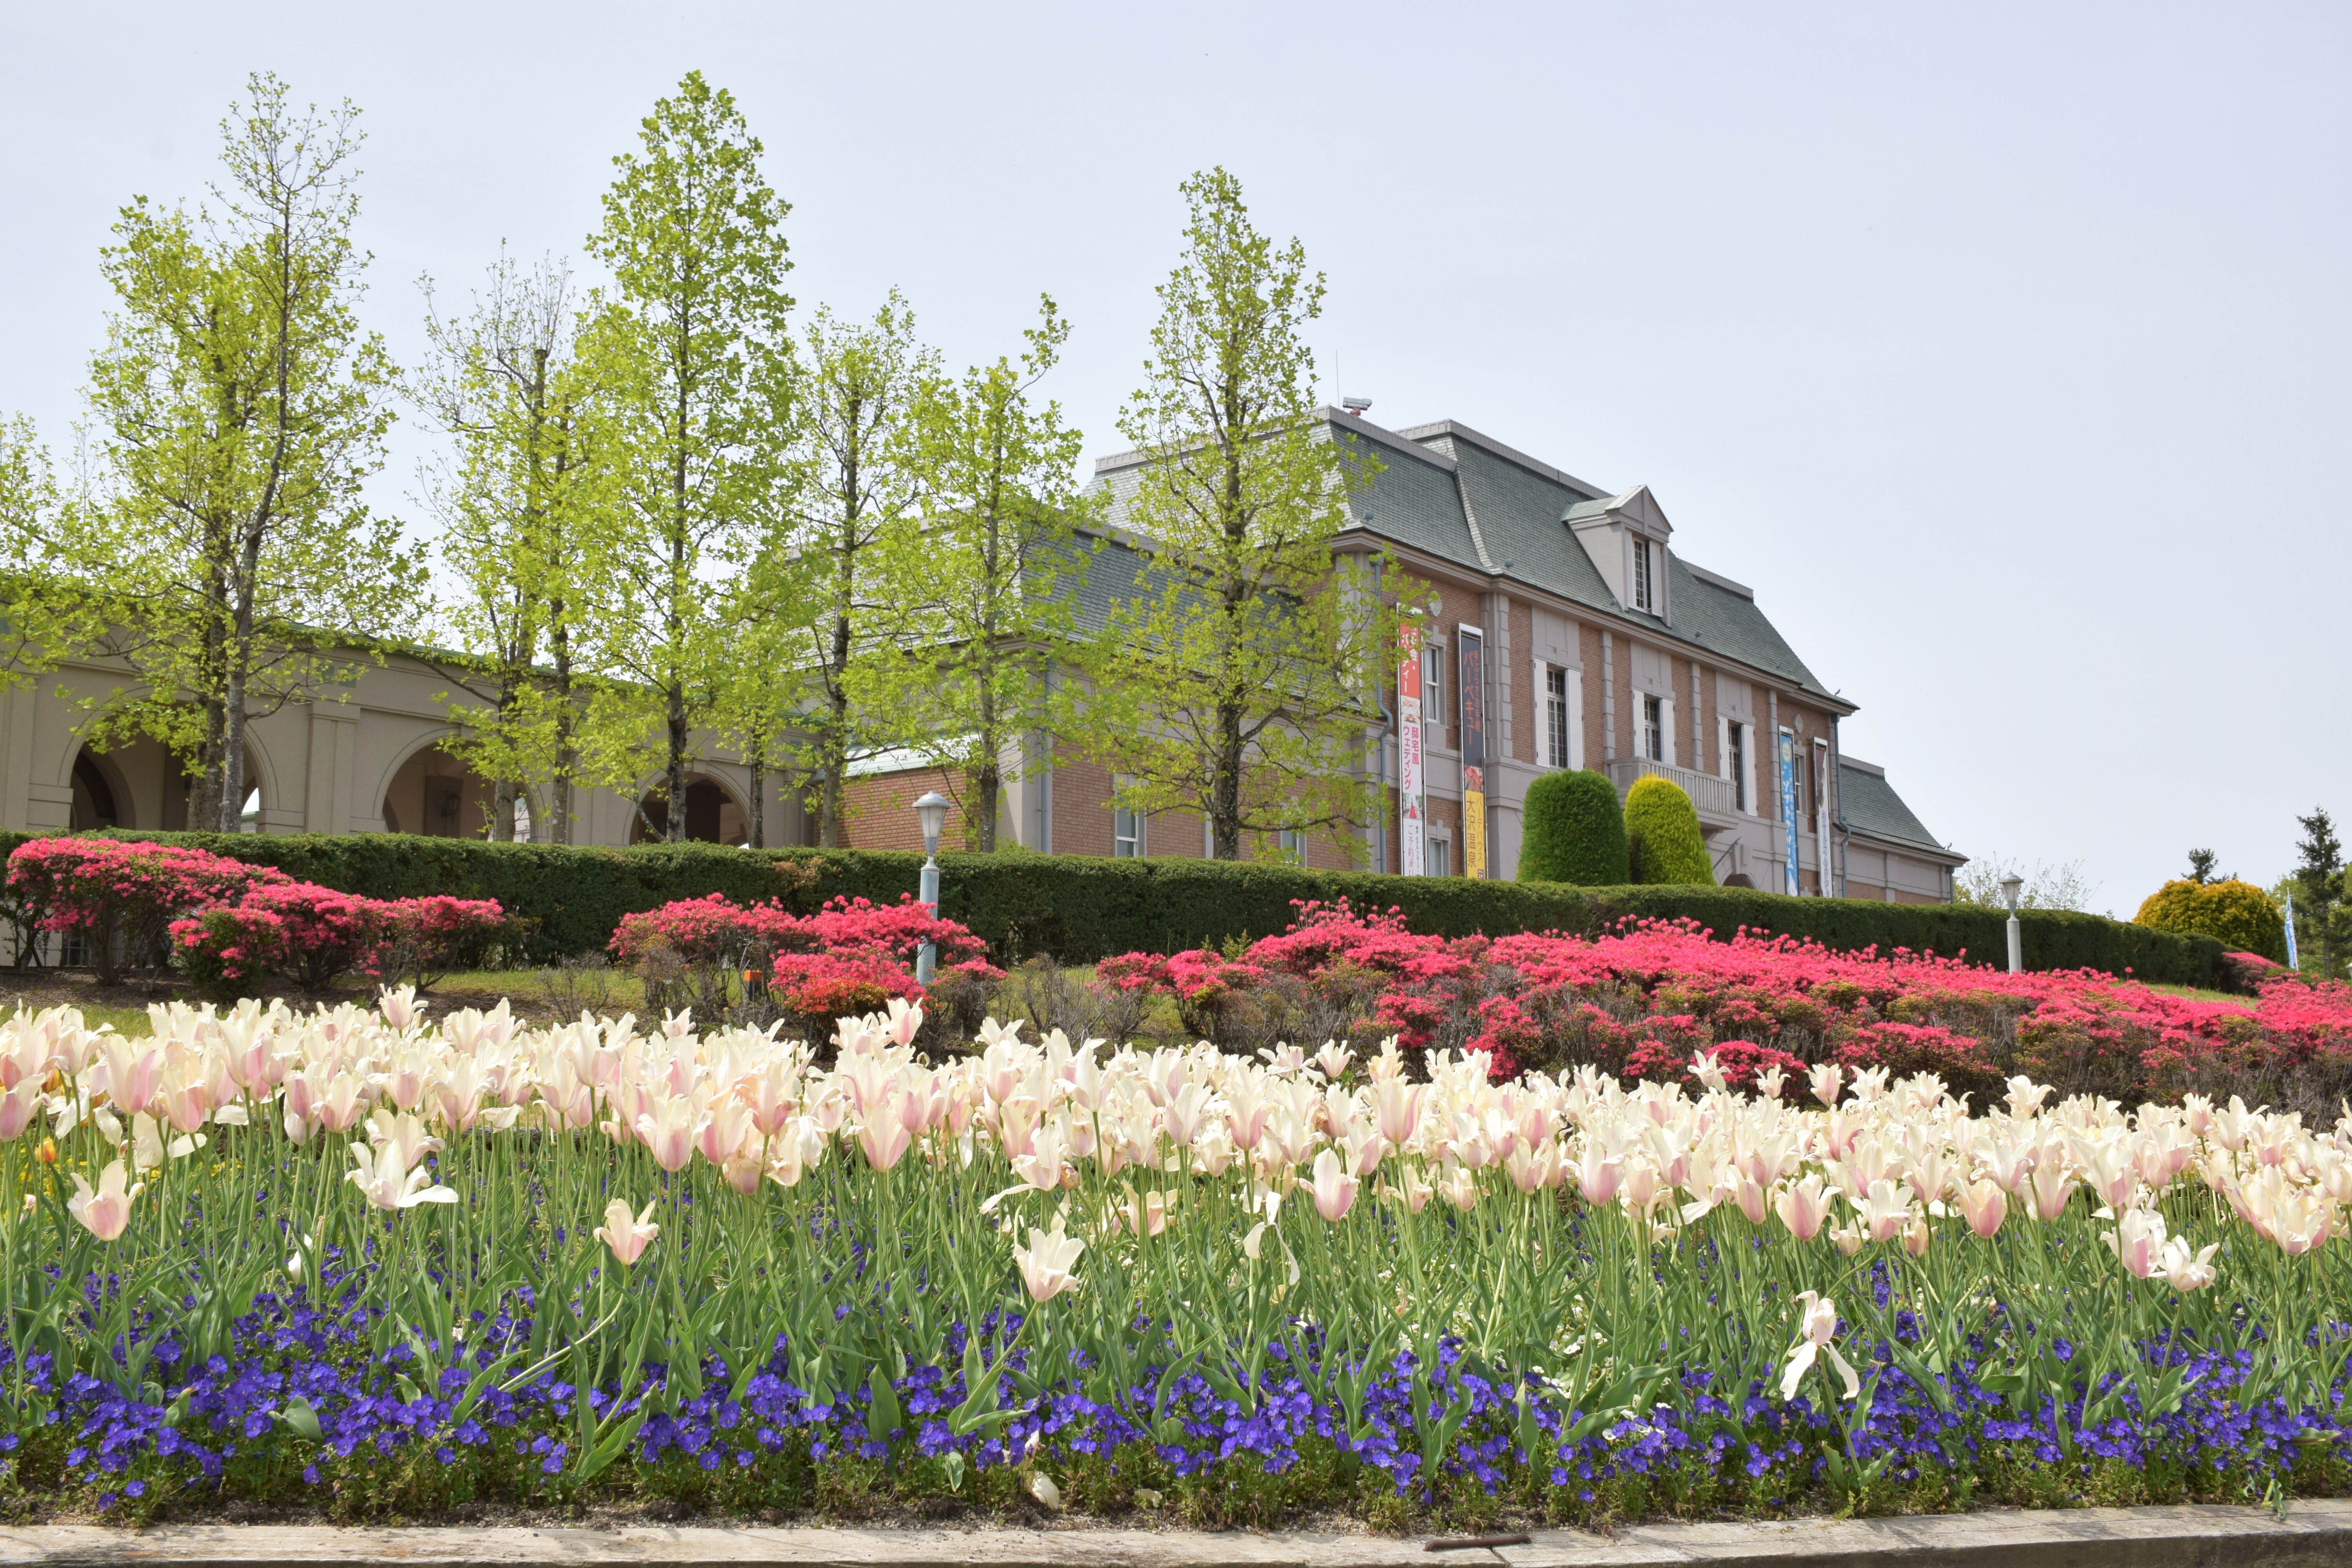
<point>399,1007</point>
<point>1917,1236</point>
<point>769,1097</point>
<point>1186,1109</point>
<point>2025,1096</point>
<point>2183,1272</point>
<point>668,1132</point>
<point>1825,1080</point>
<point>1770,1082</point>
<point>1641,1189</point>
<point>1334,1187</point>
<point>1598,1173</point>
<point>884,1137</point>
<point>131,1074</point>
<point>1459,1187</point>
<point>1750,1199</point>
<point>905,1020</point>
<point>19,1109</point>
<point>1705,1067</point>
<point>1886,1211</point>
<point>1848,1239</point>
<point>1044,1165</point>
<point>1984,1206</point>
<point>1804,1208</point>
<point>2137,1242</point>
<point>106,1211</point>
<point>1250,1106</point>
<point>1815,1328</point>
<point>1046,1263</point>
<point>627,1236</point>
<point>2051,1187</point>
<point>723,1129</point>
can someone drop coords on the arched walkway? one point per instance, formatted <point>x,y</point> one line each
<point>713,815</point>
<point>440,796</point>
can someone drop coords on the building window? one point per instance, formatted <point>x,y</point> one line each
<point>1435,705</point>
<point>1642,574</point>
<point>1125,832</point>
<point>1739,766</point>
<point>1654,729</point>
<point>1293,846</point>
<point>1556,715</point>
<point>1440,852</point>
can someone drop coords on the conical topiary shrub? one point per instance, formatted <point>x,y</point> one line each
<point>1662,831</point>
<point>1573,832</point>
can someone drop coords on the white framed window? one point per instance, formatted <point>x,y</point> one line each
<point>1435,707</point>
<point>1125,833</point>
<point>1739,764</point>
<point>1555,717</point>
<point>1654,728</point>
<point>1441,857</point>
<point>1293,846</point>
<point>1641,573</point>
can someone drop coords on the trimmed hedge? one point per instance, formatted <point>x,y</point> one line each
<point>1080,908</point>
<point>1571,830</point>
<point>1662,828</point>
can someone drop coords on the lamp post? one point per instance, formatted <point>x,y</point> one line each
<point>2009,887</point>
<point>932,811</point>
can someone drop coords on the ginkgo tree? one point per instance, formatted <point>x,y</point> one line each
<point>1236,675</point>
<point>987,598</point>
<point>224,550</point>
<point>691,356</point>
<point>519,496</point>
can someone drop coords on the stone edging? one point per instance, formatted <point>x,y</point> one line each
<point>2316,1532</point>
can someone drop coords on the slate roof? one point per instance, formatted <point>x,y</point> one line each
<point>1448,491</point>
<point>1871,806</point>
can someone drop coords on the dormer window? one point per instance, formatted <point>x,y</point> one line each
<point>1644,596</point>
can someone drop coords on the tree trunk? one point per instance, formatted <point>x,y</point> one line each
<point>566,760</point>
<point>759,749</point>
<point>676,774</point>
<point>980,826</point>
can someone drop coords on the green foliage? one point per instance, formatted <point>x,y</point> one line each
<point>1662,835</point>
<point>691,357</point>
<point>2238,915</point>
<point>1572,831</point>
<point>992,578</point>
<point>518,499</point>
<point>237,411</point>
<point>1233,677</point>
<point>1081,908</point>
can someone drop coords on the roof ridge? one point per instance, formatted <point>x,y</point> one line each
<point>1424,433</point>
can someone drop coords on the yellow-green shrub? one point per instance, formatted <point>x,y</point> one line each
<point>1662,829</point>
<point>2238,915</point>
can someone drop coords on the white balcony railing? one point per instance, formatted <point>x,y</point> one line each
<point>1711,795</point>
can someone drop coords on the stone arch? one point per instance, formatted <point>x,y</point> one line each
<point>715,811</point>
<point>433,793</point>
<point>101,796</point>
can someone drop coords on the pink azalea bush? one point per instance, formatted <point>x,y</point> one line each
<point>121,896</point>
<point>229,925</point>
<point>1642,1001</point>
<point>849,958</point>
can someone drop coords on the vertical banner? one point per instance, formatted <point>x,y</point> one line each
<point>1412,824</point>
<point>1472,677</point>
<point>2292,960</point>
<point>1788,804</point>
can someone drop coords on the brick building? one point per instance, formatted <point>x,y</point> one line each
<point>1594,644</point>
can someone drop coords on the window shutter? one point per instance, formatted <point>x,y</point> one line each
<point>1722,746</point>
<point>1747,766</point>
<point>1666,730</point>
<point>1576,718</point>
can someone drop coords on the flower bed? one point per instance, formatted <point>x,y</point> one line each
<point>392,1267</point>
<point>1641,1000</point>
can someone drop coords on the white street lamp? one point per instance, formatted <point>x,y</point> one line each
<point>932,811</point>
<point>2011,885</point>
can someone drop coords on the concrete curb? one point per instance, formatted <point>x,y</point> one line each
<point>2316,1532</point>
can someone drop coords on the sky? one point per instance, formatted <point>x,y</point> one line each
<point>2001,349</point>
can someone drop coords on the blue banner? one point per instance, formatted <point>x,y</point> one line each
<point>2292,961</point>
<point>1788,804</point>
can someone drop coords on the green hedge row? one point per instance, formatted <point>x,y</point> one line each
<point>1080,909</point>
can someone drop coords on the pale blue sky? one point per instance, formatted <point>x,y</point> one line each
<point>2002,349</point>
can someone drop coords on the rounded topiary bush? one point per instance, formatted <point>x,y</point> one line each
<point>2239,915</point>
<point>1573,832</point>
<point>1663,837</point>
